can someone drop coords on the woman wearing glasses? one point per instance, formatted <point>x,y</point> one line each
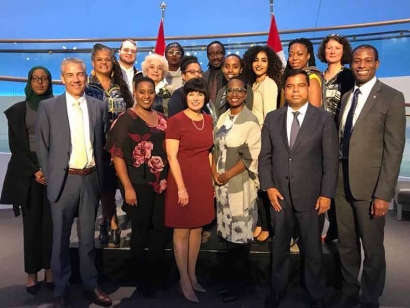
<point>237,140</point>
<point>174,54</point>
<point>106,83</point>
<point>190,68</point>
<point>24,183</point>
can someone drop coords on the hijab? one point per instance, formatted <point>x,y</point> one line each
<point>32,98</point>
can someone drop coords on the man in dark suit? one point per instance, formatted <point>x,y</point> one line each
<point>70,134</point>
<point>372,137</point>
<point>298,167</point>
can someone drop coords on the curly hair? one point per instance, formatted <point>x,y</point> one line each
<point>347,49</point>
<point>309,46</point>
<point>274,64</point>
<point>116,76</point>
<point>149,58</point>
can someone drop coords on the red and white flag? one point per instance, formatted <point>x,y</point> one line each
<point>274,40</point>
<point>160,46</point>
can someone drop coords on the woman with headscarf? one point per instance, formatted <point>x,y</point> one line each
<point>174,53</point>
<point>24,184</point>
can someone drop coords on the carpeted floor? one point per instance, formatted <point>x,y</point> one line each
<point>13,294</point>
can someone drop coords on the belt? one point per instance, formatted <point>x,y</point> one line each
<point>82,172</point>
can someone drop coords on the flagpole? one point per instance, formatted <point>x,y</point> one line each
<point>271,7</point>
<point>163,7</point>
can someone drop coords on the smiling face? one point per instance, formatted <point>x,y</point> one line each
<point>128,53</point>
<point>260,64</point>
<point>216,55</point>
<point>231,67</point>
<point>155,70</point>
<point>195,101</point>
<point>235,93</point>
<point>298,56</point>
<point>364,65</point>
<point>296,91</point>
<point>40,82</point>
<point>74,78</point>
<point>333,52</point>
<point>144,95</point>
<point>102,62</point>
<point>193,70</point>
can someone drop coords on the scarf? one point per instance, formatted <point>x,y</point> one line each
<point>32,98</point>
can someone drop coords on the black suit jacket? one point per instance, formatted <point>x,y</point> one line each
<point>310,169</point>
<point>21,166</point>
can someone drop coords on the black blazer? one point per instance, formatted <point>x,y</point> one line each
<point>310,169</point>
<point>21,166</point>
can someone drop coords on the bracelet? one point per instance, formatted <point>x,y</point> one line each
<point>180,192</point>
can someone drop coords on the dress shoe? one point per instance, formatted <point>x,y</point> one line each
<point>61,302</point>
<point>222,291</point>
<point>103,237</point>
<point>272,301</point>
<point>229,297</point>
<point>349,301</point>
<point>317,304</point>
<point>364,305</point>
<point>190,298</point>
<point>197,287</point>
<point>115,238</point>
<point>49,284</point>
<point>147,291</point>
<point>98,297</point>
<point>33,290</point>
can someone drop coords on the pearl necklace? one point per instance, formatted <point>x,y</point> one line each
<point>203,124</point>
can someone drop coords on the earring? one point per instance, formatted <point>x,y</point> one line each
<point>112,74</point>
<point>93,73</point>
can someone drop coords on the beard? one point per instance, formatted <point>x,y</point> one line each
<point>128,62</point>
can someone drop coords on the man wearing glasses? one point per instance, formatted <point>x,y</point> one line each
<point>174,54</point>
<point>214,76</point>
<point>128,55</point>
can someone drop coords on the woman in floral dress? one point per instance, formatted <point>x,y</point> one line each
<point>237,139</point>
<point>136,143</point>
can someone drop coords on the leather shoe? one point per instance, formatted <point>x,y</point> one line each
<point>33,290</point>
<point>318,304</point>
<point>99,297</point>
<point>222,291</point>
<point>61,302</point>
<point>363,305</point>
<point>272,301</point>
<point>103,237</point>
<point>349,301</point>
<point>229,297</point>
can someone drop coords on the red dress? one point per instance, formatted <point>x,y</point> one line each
<point>193,158</point>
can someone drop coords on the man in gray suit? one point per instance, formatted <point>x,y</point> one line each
<point>70,136</point>
<point>298,167</point>
<point>372,138</point>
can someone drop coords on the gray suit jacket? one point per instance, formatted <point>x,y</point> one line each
<point>377,143</point>
<point>53,140</point>
<point>310,168</point>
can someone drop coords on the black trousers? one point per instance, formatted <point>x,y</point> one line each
<point>355,223</point>
<point>263,211</point>
<point>147,221</point>
<point>237,267</point>
<point>284,226</point>
<point>37,229</point>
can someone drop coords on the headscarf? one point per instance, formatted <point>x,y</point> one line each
<point>177,45</point>
<point>32,98</point>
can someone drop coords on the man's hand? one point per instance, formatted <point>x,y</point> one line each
<point>274,196</point>
<point>322,205</point>
<point>379,207</point>
<point>40,177</point>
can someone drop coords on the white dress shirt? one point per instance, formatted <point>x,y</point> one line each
<point>289,118</point>
<point>361,100</point>
<point>86,124</point>
<point>128,74</point>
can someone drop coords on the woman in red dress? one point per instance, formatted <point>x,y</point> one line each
<point>189,201</point>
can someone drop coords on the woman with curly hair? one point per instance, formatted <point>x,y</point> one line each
<point>106,83</point>
<point>335,50</point>
<point>302,56</point>
<point>156,68</point>
<point>262,69</point>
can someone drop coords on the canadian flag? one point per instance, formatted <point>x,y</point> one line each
<point>160,45</point>
<point>274,40</point>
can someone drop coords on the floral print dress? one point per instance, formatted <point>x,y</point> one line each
<point>141,146</point>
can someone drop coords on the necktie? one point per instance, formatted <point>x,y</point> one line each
<point>294,129</point>
<point>79,153</point>
<point>347,131</point>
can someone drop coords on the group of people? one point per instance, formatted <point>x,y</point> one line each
<point>266,150</point>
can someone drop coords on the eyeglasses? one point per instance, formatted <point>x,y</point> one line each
<point>236,90</point>
<point>215,54</point>
<point>39,79</point>
<point>192,72</point>
<point>127,50</point>
<point>174,53</point>
<point>335,35</point>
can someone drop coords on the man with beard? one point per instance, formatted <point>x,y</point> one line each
<point>128,55</point>
<point>214,76</point>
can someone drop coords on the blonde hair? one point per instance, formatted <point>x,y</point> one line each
<point>152,57</point>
